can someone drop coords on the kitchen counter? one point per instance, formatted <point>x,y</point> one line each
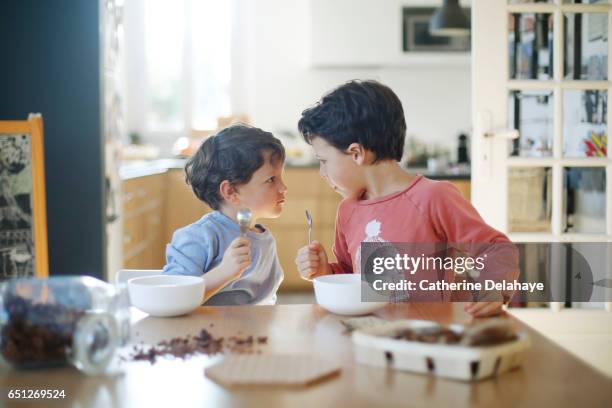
<point>132,169</point>
<point>141,168</point>
<point>449,174</point>
<point>549,376</point>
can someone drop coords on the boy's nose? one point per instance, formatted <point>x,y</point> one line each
<point>282,187</point>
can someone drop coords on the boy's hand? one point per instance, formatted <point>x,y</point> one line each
<point>237,257</point>
<point>483,309</point>
<point>311,261</point>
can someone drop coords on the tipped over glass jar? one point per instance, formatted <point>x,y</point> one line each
<point>76,320</point>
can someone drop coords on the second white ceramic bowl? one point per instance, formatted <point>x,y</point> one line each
<point>166,295</point>
<point>341,294</point>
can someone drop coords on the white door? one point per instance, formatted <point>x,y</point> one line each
<point>541,67</point>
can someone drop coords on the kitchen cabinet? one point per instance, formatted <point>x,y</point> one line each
<point>182,206</point>
<point>368,33</point>
<point>339,36</point>
<point>305,190</point>
<point>143,204</point>
<point>464,186</point>
<point>155,206</point>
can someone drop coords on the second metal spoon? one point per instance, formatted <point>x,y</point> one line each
<point>309,221</point>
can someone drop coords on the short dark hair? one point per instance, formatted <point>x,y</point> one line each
<point>364,112</point>
<point>233,154</point>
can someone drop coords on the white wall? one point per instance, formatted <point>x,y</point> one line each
<point>275,82</point>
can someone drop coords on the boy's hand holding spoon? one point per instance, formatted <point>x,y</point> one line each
<point>311,259</point>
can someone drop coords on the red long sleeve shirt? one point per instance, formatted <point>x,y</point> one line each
<point>427,211</point>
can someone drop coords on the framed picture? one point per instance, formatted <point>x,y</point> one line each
<point>416,36</point>
<point>23,214</point>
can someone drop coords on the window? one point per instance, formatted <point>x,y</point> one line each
<point>210,62</point>
<point>164,47</point>
<point>188,63</point>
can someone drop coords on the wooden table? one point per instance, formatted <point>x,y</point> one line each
<point>549,377</point>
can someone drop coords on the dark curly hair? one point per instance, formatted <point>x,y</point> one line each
<point>233,154</point>
<point>364,112</point>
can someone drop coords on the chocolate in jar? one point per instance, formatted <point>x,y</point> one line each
<point>39,322</point>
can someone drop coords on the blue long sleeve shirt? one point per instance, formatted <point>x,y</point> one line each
<point>199,247</point>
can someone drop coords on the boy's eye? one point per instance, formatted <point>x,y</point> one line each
<point>271,180</point>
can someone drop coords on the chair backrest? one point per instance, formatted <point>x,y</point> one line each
<point>123,275</point>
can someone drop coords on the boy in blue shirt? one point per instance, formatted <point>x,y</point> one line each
<point>239,167</point>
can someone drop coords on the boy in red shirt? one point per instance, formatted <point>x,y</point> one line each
<point>357,132</point>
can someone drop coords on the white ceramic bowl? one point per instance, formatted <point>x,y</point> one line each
<point>341,294</point>
<point>166,295</point>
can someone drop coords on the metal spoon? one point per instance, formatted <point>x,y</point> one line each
<point>309,221</point>
<point>243,217</point>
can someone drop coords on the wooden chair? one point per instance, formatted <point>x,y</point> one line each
<point>23,224</point>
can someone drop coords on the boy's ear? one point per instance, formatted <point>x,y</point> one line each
<point>357,152</point>
<point>228,192</point>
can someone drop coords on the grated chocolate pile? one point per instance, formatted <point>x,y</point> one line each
<point>203,343</point>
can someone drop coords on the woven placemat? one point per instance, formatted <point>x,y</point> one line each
<point>271,369</point>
